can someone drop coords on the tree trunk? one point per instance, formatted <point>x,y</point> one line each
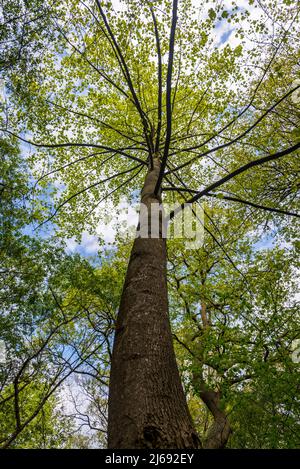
<point>220,430</point>
<point>147,406</point>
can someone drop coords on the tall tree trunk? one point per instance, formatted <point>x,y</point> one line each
<point>147,406</point>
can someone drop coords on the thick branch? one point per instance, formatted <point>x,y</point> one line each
<point>235,199</point>
<point>127,76</point>
<point>159,78</point>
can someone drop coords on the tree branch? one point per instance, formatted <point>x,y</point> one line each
<point>84,190</point>
<point>231,142</point>
<point>234,199</point>
<point>159,78</point>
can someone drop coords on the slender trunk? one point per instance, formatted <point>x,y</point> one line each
<point>220,430</point>
<point>147,405</point>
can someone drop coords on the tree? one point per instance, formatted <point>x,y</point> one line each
<point>234,326</point>
<point>102,108</point>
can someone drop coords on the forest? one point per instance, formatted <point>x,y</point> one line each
<point>149,224</point>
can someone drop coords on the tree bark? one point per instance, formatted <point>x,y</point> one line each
<point>147,406</point>
<point>220,430</point>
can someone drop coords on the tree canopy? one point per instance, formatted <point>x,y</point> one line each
<point>94,94</point>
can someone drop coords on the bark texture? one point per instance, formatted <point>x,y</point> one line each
<point>147,405</point>
<point>219,431</point>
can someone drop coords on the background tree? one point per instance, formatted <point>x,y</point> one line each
<point>51,329</point>
<point>103,108</point>
<point>234,329</point>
